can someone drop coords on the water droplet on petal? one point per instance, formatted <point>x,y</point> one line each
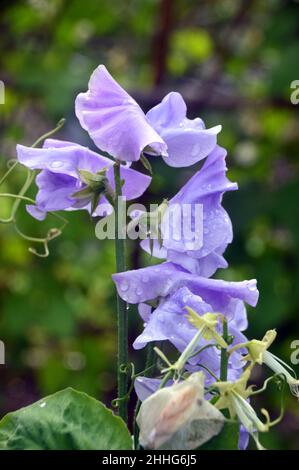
<point>124,286</point>
<point>206,231</point>
<point>127,101</point>
<point>139,291</point>
<point>56,164</point>
<point>145,278</point>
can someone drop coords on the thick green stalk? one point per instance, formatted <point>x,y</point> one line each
<point>122,313</point>
<point>224,355</point>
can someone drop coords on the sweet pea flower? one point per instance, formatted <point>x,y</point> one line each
<point>188,141</point>
<point>117,124</point>
<point>170,322</point>
<point>175,288</point>
<point>205,188</point>
<point>72,177</point>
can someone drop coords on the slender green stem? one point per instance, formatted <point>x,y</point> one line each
<point>189,350</point>
<point>224,355</point>
<point>18,196</point>
<point>8,172</point>
<point>150,366</point>
<point>122,314</point>
<point>165,379</point>
<point>45,136</point>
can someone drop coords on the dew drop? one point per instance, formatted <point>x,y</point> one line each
<point>124,286</point>
<point>206,231</point>
<point>145,278</point>
<point>139,291</point>
<point>56,164</point>
<point>127,101</point>
<point>43,404</point>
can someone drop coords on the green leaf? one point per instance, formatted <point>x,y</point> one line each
<point>227,439</point>
<point>67,420</point>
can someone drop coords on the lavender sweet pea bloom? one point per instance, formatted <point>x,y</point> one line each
<point>114,120</point>
<point>175,288</point>
<point>188,140</point>
<point>59,183</point>
<point>117,125</point>
<point>168,322</point>
<point>205,188</point>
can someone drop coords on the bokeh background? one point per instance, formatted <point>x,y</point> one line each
<point>233,61</point>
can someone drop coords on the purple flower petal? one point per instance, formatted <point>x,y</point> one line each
<point>153,282</point>
<point>146,386</point>
<point>65,159</point>
<point>59,179</point>
<point>187,140</point>
<point>36,212</point>
<point>135,183</point>
<point>114,120</point>
<point>243,438</point>
<point>168,321</point>
<point>205,188</point>
<point>55,191</point>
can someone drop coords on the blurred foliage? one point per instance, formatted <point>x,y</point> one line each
<point>233,61</point>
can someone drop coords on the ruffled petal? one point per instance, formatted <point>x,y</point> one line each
<point>168,321</point>
<point>36,212</point>
<point>207,187</point>
<point>187,140</point>
<point>200,248</point>
<point>114,120</point>
<point>66,159</point>
<point>55,191</point>
<point>150,283</point>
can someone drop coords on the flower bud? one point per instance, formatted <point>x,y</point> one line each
<point>178,417</point>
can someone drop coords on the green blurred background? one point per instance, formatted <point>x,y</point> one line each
<point>233,61</point>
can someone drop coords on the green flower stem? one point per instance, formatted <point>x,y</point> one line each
<point>122,313</point>
<point>150,366</point>
<point>224,355</point>
<point>165,379</point>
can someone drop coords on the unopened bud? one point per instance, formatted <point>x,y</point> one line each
<point>178,417</point>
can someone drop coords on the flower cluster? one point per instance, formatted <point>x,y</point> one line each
<point>178,300</point>
<point>73,177</point>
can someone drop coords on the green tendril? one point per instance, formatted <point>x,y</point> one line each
<point>21,197</point>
